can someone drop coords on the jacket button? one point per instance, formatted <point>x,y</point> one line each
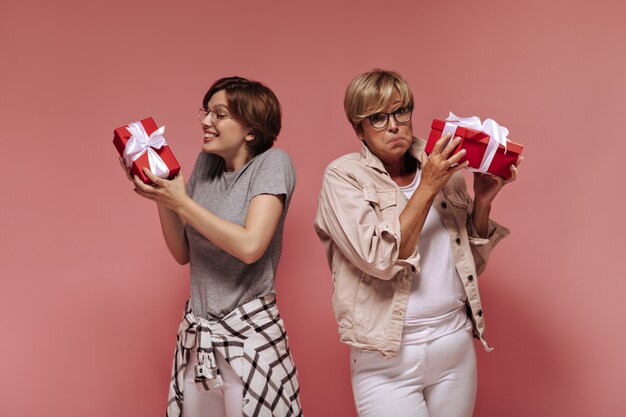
<point>470,277</point>
<point>444,205</point>
<point>479,313</point>
<point>458,241</point>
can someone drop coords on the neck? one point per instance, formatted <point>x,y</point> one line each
<point>401,170</point>
<point>234,162</point>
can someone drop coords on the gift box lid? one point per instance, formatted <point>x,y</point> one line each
<point>477,135</point>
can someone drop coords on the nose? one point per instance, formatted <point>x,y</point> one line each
<point>207,120</point>
<point>393,124</point>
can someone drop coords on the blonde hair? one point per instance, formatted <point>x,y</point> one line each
<point>370,92</point>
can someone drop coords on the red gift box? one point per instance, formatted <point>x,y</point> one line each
<point>475,143</point>
<point>120,139</point>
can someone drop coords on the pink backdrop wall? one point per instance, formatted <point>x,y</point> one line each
<point>90,299</point>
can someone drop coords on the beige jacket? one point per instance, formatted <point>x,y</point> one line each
<point>358,223</point>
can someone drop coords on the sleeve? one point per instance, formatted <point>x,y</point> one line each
<point>275,175</point>
<point>482,247</point>
<point>347,217</point>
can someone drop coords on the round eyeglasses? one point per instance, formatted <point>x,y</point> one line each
<point>215,114</point>
<point>379,120</point>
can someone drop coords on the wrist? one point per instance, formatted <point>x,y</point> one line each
<point>181,207</point>
<point>482,203</point>
<point>427,190</point>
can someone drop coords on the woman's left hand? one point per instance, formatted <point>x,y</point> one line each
<point>170,194</point>
<point>487,186</point>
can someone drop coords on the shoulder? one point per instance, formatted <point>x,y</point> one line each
<point>274,157</point>
<point>350,172</point>
<point>345,163</point>
<point>208,164</point>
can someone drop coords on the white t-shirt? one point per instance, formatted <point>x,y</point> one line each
<point>437,300</point>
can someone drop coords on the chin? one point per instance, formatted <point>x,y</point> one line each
<point>399,147</point>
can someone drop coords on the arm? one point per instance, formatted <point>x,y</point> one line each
<point>484,233</point>
<point>486,188</point>
<point>346,221</point>
<point>247,243</point>
<point>379,244</point>
<point>436,171</point>
<point>172,227</point>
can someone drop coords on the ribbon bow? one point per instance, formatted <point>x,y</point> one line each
<point>140,143</point>
<point>497,134</point>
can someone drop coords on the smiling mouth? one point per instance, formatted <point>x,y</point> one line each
<point>208,136</point>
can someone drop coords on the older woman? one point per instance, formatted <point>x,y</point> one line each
<point>231,358</point>
<point>405,245</point>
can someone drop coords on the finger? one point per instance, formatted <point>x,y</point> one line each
<point>179,177</point>
<point>156,180</point>
<point>458,167</point>
<point>441,143</point>
<point>519,161</point>
<point>457,157</point>
<point>423,158</point>
<point>125,168</point>
<point>141,186</point>
<point>451,146</point>
<point>513,176</point>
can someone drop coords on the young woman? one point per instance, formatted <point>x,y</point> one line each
<point>232,357</point>
<point>405,245</point>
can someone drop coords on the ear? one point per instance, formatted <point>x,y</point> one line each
<point>249,136</point>
<point>359,131</point>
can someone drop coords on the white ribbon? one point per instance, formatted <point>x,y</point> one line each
<point>497,135</point>
<point>140,143</point>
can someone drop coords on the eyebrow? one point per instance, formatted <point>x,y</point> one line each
<point>223,106</point>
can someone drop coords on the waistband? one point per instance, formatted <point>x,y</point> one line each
<point>227,335</point>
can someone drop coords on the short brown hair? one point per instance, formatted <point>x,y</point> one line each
<point>253,105</point>
<point>370,92</point>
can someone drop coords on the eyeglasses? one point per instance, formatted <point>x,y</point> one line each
<point>401,115</point>
<point>217,114</point>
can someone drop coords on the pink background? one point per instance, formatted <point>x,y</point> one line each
<point>90,299</point>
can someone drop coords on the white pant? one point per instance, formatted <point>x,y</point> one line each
<point>432,379</point>
<point>225,401</point>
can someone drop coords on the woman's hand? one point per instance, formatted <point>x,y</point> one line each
<point>440,166</point>
<point>125,168</point>
<point>171,194</point>
<point>487,186</point>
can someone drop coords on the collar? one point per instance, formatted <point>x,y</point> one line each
<point>372,161</point>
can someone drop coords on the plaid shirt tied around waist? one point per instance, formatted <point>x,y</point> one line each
<point>253,332</point>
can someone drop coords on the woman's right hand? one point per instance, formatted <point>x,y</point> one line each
<point>126,169</point>
<point>439,167</point>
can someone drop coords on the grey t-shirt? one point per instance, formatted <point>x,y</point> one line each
<point>219,281</point>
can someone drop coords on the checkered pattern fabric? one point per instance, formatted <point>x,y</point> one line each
<point>253,332</point>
